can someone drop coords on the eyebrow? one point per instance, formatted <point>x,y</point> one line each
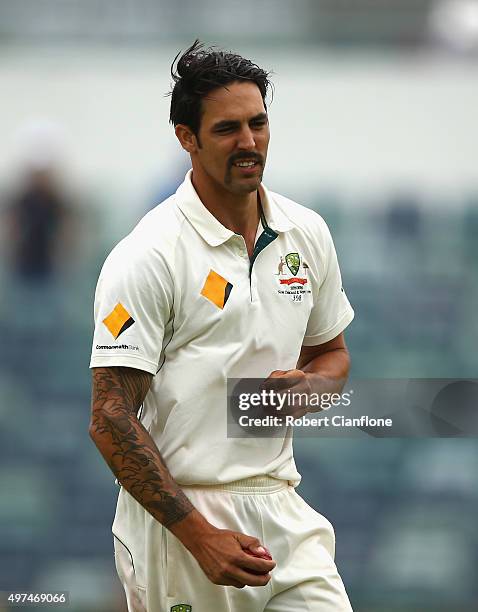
<point>230,124</point>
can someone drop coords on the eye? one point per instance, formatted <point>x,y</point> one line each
<point>225,130</point>
<point>258,124</point>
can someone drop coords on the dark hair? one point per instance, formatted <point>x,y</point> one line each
<point>198,71</point>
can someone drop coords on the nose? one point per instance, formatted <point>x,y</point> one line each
<point>246,139</point>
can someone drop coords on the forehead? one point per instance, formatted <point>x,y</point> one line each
<point>233,102</point>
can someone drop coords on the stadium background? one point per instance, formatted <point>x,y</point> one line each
<point>374,124</point>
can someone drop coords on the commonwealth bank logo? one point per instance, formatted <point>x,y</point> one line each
<point>216,289</point>
<point>181,608</point>
<point>118,321</point>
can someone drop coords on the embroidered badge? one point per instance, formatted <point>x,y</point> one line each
<point>292,274</point>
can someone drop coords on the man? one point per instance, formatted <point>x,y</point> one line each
<point>189,299</point>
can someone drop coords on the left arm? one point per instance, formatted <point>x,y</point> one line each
<point>330,360</point>
<point>320,369</point>
<point>323,367</point>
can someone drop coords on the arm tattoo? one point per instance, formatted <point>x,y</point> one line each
<point>128,448</point>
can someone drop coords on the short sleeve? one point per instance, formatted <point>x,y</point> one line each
<point>133,304</point>
<point>332,311</point>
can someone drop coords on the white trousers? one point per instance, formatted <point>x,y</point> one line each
<point>160,575</point>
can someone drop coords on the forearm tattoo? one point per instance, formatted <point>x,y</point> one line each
<point>128,448</point>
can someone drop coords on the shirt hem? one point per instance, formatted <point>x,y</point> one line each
<point>123,360</point>
<point>331,333</point>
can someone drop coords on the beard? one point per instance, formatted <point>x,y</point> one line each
<point>244,184</point>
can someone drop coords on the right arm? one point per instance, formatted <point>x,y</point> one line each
<point>128,448</point>
<point>134,458</point>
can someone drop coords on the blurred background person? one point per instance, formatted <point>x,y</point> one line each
<point>37,213</point>
<point>39,229</point>
<point>36,222</point>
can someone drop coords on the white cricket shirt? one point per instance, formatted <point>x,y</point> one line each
<point>178,298</point>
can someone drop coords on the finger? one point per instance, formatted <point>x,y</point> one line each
<point>255,564</point>
<point>289,380</point>
<point>259,551</point>
<point>234,583</point>
<point>278,385</point>
<point>246,541</point>
<point>295,373</point>
<point>252,548</point>
<point>273,376</point>
<point>277,373</point>
<point>243,577</point>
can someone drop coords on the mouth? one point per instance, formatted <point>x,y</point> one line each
<point>247,166</point>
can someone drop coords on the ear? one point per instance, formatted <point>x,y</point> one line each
<point>186,138</point>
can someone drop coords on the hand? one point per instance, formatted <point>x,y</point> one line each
<point>224,558</point>
<point>294,381</point>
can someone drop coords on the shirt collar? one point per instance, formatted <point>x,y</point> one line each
<point>275,218</point>
<point>206,224</point>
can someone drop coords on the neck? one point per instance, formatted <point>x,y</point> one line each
<point>238,212</point>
